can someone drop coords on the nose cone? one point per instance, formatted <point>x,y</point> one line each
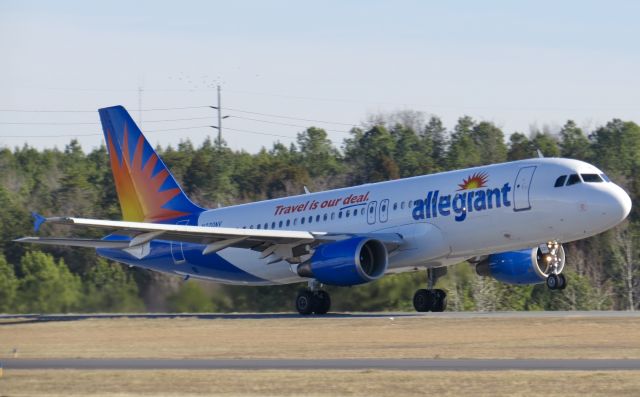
<point>622,204</point>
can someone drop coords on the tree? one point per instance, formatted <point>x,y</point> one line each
<point>626,255</point>
<point>47,286</point>
<point>319,157</point>
<point>490,142</point>
<point>435,142</point>
<point>573,142</point>
<point>8,286</point>
<point>190,298</point>
<point>463,151</point>
<point>520,147</point>
<point>109,288</point>
<point>370,155</point>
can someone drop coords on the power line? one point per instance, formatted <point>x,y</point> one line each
<point>99,134</point>
<point>94,123</point>
<point>93,111</point>
<point>289,117</point>
<point>286,124</point>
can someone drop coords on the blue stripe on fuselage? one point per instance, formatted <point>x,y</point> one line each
<point>196,264</point>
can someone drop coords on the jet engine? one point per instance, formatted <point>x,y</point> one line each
<point>357,260</point>
<point>529,266</point>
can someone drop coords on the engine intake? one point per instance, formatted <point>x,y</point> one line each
<point>353,261</point>
<point>530,266</point>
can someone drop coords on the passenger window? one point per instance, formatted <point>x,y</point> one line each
<point>258,227</point>
<point>333,215</point>
<point>395,206</point>
<point>266,225</point>
<point>591,178</point>
<point>280,224</point>
<point>340,214</point>
<point>310,218</point>
<point>325,217</point>
<point>288,222</point>
<point>402,205</point>
<point>302,220</point>
<point>371,209</point>
<point>384,208</point>
<point>362,212</point>
<point>295,221</point>
<point>348,213</point>
<point>318,218</point>
<point>560,181</point>
<point>273,225</point>
<point>410,204</point>
<point>573,179</point>
<point>251,227</point>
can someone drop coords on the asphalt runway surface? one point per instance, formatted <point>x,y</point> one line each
<point>266,316</point>
<point>309,364</point>
<point>324,364</point>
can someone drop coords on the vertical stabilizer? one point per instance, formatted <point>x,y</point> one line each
<point>146,189</point>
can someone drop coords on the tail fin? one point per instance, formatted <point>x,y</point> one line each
<point>146,189</point>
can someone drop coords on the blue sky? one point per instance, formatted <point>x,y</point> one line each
<point>519,64</point>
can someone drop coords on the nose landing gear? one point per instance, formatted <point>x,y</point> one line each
<point>556,281</point>
<point>430,299</point>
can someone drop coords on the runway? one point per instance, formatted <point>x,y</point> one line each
<point>348,315</point>
<point>335,364</point>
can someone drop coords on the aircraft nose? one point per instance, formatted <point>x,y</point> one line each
<point>623,202</point>
<point>620,204</point>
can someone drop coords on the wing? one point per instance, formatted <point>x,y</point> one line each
<point>281,244</point>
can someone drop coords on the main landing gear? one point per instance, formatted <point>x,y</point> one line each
<point>313,300</point>
<point>556,281</point>
<point>429,299</point>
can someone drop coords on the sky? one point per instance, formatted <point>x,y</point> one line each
<point>286,65</point>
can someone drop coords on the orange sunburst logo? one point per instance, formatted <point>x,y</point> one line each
<point>475,181</point>
<point>138,189</point>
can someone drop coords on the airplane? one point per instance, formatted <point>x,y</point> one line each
<point>509,220</point>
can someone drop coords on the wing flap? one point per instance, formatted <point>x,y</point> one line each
<point>74,242</point>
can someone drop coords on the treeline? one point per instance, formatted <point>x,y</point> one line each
<point>603,271</point>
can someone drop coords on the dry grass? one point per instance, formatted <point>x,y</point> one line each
<point>318,383</point>
<point>414,337</point>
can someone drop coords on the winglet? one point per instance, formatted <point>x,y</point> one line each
<point>38,220</point>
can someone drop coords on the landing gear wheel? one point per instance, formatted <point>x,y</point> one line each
<point>562,281</point>
<point>423,300</point>
<point>553,281</point>
<point>321,302</point>
<point>304,302</point>
<point>440,301</point>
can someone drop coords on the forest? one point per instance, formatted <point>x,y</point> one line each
<point>603,271</point>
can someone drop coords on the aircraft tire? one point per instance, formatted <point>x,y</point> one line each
<point>304,302</point>
<point>553,281</point>
<point>321,302</point>
<point>562,281</point>
<point>423,300</point>
<point>440,301</point>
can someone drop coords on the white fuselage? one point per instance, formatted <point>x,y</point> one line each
<point>442,219</point>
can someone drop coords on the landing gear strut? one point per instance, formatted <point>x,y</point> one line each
<point>313,300</point>
<point>429,299</point>
<point>552,255</point>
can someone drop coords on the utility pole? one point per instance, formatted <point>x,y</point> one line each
<point>220,117</point>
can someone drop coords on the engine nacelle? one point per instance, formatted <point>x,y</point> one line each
<point>530,266</point>
<point>354,261</point>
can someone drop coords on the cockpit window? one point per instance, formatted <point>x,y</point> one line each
<point>573,179</point>
<point>560,181</point>
<point>591,178</point>
<point>605,177</point>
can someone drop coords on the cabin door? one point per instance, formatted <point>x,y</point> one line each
<point>176,248</point>
<point>522,189</point>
